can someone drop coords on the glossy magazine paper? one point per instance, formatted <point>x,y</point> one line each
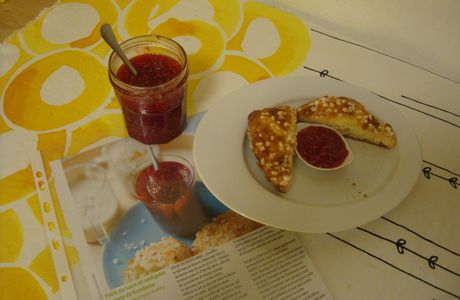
<point>130,250</point>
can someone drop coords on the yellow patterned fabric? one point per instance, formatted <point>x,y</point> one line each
<point>56,98</point>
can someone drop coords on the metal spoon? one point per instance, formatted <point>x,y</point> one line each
<point>109,37</point>
<point>154,159</point>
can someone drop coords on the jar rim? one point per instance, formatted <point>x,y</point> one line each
<point>162,158</point>
<point>143,89</point>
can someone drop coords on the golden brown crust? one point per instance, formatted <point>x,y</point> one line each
<point>224,228</point>
<point>271,132</point>
<point>349,117</point>
<point>155,257</point>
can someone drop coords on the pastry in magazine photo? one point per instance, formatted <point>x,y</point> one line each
<point>143,230</point>
<point>132,226</point>
<point>155,257</point>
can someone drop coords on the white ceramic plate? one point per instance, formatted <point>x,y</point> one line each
<point>374,183</point>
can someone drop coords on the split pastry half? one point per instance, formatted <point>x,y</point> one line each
<point>225,227</point>
<point>349,117</point>
<point>272,137</point>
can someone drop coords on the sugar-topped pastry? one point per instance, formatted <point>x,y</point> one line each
<point>271,132</point>
<point>349,117</point>
<point>154,257</point>
<point>225,227</point>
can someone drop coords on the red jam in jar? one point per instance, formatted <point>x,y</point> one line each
<point>152,69</point>
<point>153,101</point>
<point>321,147</point>
<point>167,193</point>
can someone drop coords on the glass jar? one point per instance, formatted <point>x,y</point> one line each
<point>154,113</point>
<point>94,199</point>
<point>168,194</point>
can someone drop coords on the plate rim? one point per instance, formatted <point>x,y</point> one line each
<point>209,137</point>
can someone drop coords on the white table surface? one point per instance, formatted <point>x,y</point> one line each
<point>423,32</point>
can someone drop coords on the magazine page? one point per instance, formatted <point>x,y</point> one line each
<point>170,238</point>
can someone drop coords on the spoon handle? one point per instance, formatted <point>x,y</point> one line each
<point>109,37</point>
<point>153,158</point>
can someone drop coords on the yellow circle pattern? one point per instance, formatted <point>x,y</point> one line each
<point>11,237</point>
<point>32,34</point>
<point>140,14</point>
<point>78,123</point>
<point>294,38</point>
<point>227,14</point>
<point>212,41</point>
<point>18,284</point>
<point>24,106</point>
<point>16,186</point>
<point>43,266</point>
